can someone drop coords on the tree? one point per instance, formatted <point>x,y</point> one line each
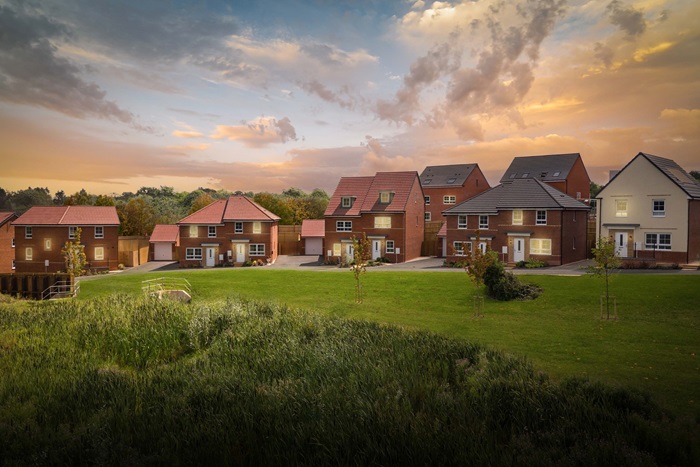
<point>605,263</point>
<point>79,198</point>
<point>275,204</point>
<point>59,198</point>
<point>137,217</point>
<point>362,251</point>
<point>695,174</point>
<point>595,189</point>
<point>74,254</point>
<point>25,199</point>
<point>477,262</point>
<point>202,201</point>
<point>104,200</point>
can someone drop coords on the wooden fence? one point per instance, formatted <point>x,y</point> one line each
<point>430,240</point>
<point>290,239</point>
<point>133,251</point>
<point>30,285</point>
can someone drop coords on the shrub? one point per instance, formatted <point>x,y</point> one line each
<point>531,264</point>
<point>504,286</point>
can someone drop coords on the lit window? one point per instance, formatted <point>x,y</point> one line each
<point>99,232</point>
<point>257,249</point>
<point>71,232</point>
<point>382,222</point>
<point>337,249</point>
<point>47,244</point>
<point>193,253</point>
<point>13,264</point>
<point>427,216</point>
<point>659,208</point>
<point>346,201</point>
<point>257,227</point>
<point>620,208</point>
<point>462,221</point>
<point>211,231</point>
<point>343,226</point>
<point>389,246</point>
<point>28,253</point>
<point>541,218</point>
<point>449,199</point>
<point>657,241</point>
<point>518,217</point>
<point>13,242</point>
<point>238,227</point>
<point>99,253</point>
<point>540,246</point>
<point>27,232</point>
<point>483,222</point>
<point>427,200</point>
<point>193,231</point>
<point>385,197</point>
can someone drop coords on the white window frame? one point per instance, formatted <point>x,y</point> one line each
<point>541,246</point>
<point>541,220</point>
<point>99,253</point>
<point>337,249</point>
<point>256,249</point>
<point>462,221</point>
<point>346,201</point>
<point>28,233</point>
<point>483,225</point>
<point>193,253</point>
<point>428,216</point>
<point>13,242</point>
<point>257,227</point>
<point>28,254</point>
<point>427,200</point>
<point>47,244</point>
<point>390,247</point>
<point>449,199</point>
<point>99,231</point>
<point>71,231</point>
<point>238,227</point>
<point>459,248</point>
<point>194,231</point>
<point>658,212</point>
<point>343,226</point>
<point>382,222</point>
<point>517,217</point>
<point>385,197</point>
<point>14,266</point>
<point>621,207</point>
<point>210,233</point>
<point>656,243</point>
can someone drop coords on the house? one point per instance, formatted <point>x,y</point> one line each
<point>388,208</point>
<point>445,186</point>
<point>165,241</point>
<point>313,232</point>
<point>652,210</point>
<point>565,172</point>
<point>231,231</point>
<point>521,219</point>
<point>42,231</point>
<point>7,242</point>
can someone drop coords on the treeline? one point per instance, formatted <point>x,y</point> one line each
<point>139,212</point>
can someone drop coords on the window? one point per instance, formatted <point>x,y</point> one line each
<point>541,218</point>
<point>47,244</point>
<point>193,253</point>
<point>427,182</point>
<point>99,232</point>
<point>517,217</point>
<point>343,226</point>
<point>512,176</point>
<point>427,216</point>
<point>211,231</point>
<point>450,181</point>
<point>13,264</point>
<point>337,248</point>
<point>99,253</point>
<point>346,201</point>
<point>620,208</point>
<point>13,242</point>
<point>257,249</point>
<point>540,246</point>
<point>449,199</point>
<point>238,227</point>
<point>556,174</point>
<point>543,174</point>
<point>578,195</point>
<point>658,241</point>
<point>27,232</point>
<point>390,246</point>
<point>193,231</point>
<point>257,227</point>
<point>71,232</point>
<point>385,197</point>
<point>525,175</point>
<point>427,200</point>
<point>462,221</point>
<point>659,208</point>
<point>459,248</point>
<point>483,222</point>
<point>28,253</point>
<point>382,222</point>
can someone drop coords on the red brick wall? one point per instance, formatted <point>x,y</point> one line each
<point>7,252</point>
<point>475,184</point>
<point>693,231</point>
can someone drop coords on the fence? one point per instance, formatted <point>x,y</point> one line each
<point>30,285</point>
<point>430,239</point>
<point>133,250</point>
<point>290,239</point>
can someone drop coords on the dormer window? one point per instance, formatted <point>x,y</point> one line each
<point>543,174</point>
<point>385,197</point>
<point>451,180</point>
<point>346,201</point>
<point>525,175</point>
<point>556,174</point>
<point>427,182</point>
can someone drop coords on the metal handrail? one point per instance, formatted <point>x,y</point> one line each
<point>61,288</point>
<point>160,284</point>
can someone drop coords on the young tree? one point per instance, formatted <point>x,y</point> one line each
<point>606,262</point>
<point>362,251</point>
<point>74,254</point>
<point>477,262</point>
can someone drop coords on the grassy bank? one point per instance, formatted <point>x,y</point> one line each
<point>126,381</point>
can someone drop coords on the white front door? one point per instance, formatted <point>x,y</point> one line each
<point>519,250</point>
<point>621,244</point>
<point>376,249</point>
<point>349,252</point>
<point>210,257</point>
<point>240,252</point>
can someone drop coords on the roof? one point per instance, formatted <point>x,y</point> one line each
<point>6,216</point>
<point>353,187</point>
<point>235,208</point>
<point>443,230</point>
<point>165,233</point>
<point>549,168</point>
<point>69,215</point>
<point>528,193</point>
<point>365,192</point>
<point>446,175</point>
<point>670,169</point>
<point>313,228</point>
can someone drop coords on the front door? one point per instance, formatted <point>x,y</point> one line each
<point>376,249</point>
<point>349,253</point>
<point>210,257</point>
<point>240,252</point>
<point>621,244</point>
<point>519,250</point>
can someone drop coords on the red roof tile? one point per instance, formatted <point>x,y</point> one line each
<point>6,216</point>
<point>236,208</point>
<point>69,215</point>
<point>443,230</point>
<point>313,228</point>
<point>355,187</point>
<point>210,214</point>
<point>398,183</point>
<point>165,233</point>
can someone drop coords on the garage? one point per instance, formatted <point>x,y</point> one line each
<point>164,240</point>
<point>313,246</point>
<point>313,232</point>
<point>162,251</point>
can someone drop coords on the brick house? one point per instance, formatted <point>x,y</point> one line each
<point>651,208</point>
<point>447,185</point>
<point>42,231</point>
<point>165,242</point>
<point>565,172</point>
<point>387,207</point>
<point>531,218</point>
<point>312,233</point>
<point>230,231</point>
<point>7,242</point>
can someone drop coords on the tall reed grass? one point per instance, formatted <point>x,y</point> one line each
<point>131,381</point>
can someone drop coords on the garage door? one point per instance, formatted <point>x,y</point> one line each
<point>162,252</point>
<point>314,246</point>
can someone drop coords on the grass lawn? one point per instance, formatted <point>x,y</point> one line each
<point>652,347</point>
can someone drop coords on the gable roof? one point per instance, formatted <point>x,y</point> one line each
<point>69,215</point>
<point>236,208</point>
<point>670,169</point>
<point>165,233</point>
<point>399,184</point>
<point>550,168</point>
<point>528,193</point>
<point>6,216</point>
<point>353,187</point>
<point>446,175</point>
<point>313,228</point>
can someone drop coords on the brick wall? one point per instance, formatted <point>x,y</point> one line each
<point>7,252</point>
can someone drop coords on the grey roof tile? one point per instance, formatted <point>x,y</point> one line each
<point>446,175</point>
<point>546,168</point>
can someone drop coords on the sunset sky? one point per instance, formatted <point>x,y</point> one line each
<point>264,95</point>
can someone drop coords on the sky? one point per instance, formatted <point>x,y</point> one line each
<point>265,95</point>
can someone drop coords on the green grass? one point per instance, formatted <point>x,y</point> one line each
<point>653,347</point>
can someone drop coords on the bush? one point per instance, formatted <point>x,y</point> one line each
<point>504,286</point>
<point>531,264</point>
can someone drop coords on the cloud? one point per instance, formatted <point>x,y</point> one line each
<point>318,89</point>
<point>32,73</point>
<point>627,18</point>
<point>187,134</point>
<point>190,147</point>
<point>258,133</point>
